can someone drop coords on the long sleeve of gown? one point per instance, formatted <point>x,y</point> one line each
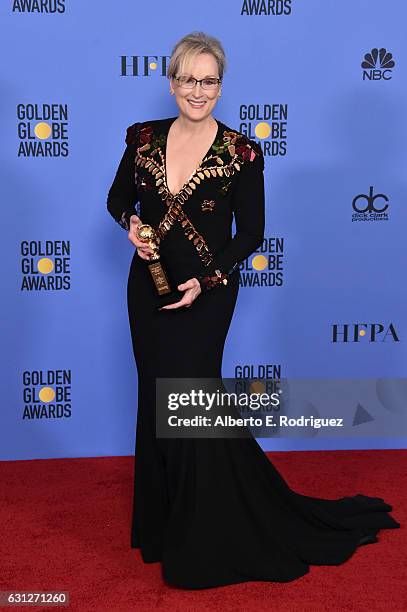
<point>123,194</point>
<point>249,212</point>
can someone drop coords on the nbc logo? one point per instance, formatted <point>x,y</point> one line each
<point>377,65</point>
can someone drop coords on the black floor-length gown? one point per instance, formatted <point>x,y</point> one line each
<point>213,511</point>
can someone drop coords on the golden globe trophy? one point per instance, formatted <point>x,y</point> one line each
<point>166,293</point>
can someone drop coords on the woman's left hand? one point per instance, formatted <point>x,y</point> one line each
<point>192,289</point>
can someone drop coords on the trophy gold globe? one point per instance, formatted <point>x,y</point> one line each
<point>165,291</point>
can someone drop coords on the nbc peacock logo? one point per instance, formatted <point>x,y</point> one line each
<point>378,65</point>
<point>266,124</point>
<point>45,265</point>
<point>265,267</point>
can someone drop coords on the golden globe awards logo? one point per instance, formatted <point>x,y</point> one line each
<point>42,130</point>
<point>265,267</point>
<point>364,332</point>
<point>45,265</point>
<point>256,377</point>
<point>267,124</point>
<point>38,6</point>
<point>144,65</point>
<point>47,394</point>
<point>266,7</point>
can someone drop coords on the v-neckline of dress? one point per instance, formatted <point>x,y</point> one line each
<point>167,129</point>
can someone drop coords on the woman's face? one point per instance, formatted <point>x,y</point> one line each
<point>204,66</point>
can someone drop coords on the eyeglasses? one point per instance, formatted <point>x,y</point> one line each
<point>189,82</point>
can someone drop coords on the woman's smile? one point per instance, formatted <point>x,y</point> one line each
<point>197,104</point>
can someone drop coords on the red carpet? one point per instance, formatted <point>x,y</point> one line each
<point>66,527</point>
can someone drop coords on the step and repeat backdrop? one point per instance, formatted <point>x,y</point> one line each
<point>321,85</point>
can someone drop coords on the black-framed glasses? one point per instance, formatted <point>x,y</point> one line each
<point>189,82</point>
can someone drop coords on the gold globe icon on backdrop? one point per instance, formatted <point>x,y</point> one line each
<point>46,394</point>
<point>45,265</point>
<point>262,130</point>
<point>257,386</point>
<point>42,130</point>
<point>259,262</point>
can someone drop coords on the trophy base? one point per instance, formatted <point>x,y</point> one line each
<point>165,285</point>
<point>169,298</point>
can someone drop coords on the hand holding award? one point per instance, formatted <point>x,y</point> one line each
<point>166,293</point>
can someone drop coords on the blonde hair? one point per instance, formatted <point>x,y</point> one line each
<point>192,45</point>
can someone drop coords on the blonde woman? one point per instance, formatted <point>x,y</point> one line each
<point>212,511</point>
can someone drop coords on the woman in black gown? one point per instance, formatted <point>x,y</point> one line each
<point>213,511</point>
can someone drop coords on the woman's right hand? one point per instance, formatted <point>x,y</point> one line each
<point>143,250</point>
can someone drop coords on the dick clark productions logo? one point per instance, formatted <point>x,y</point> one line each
<point>370,206</point>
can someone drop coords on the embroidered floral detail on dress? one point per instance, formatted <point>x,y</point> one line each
<point>224,186</point>
<point>149,139</point>
<point>144,183</point>
<point>131,133</point>
<point>235,144</point>
<point>208,282</point>
<point>226,156</point>
<point>146,134</point>
<point>208,205</point>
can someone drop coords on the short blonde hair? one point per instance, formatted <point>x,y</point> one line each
<point>192,45</point>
